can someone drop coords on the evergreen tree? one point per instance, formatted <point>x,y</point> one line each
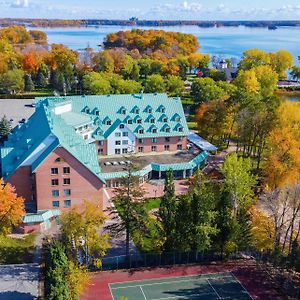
<point>41,80</point>
<point>5,128</point>
<point>183,218</point>
<point>56,264</point>
<point>244,226</point>
<point>226,225</point>
<point>203,217</point>
<point>29,85</point>
<point>129,201</point>
<point>167,212</point>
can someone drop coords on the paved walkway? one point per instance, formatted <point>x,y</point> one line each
<point>19,282</point>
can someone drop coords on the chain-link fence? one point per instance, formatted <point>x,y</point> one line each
<point>157,259</point>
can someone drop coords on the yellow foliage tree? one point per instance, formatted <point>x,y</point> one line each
<point>283,161</point>
<point>247,80</point>
<point>262,230</point>
<point>11,208</point>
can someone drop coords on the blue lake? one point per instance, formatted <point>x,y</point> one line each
<point>227,41</point>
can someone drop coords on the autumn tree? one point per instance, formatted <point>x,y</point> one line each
<point>283,158</point>
<point>215,120</point>
<point>281,61</point>
<point>253,58</point>
<point>103,62</point>
<point>80,231</point>
<point>198,60</point>
<point>11,208</point>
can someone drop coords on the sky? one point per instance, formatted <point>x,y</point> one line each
<point>153,9</point>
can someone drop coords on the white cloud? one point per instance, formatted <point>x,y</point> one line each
<point>20,4</point>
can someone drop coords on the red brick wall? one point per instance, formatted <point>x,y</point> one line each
<point>84,184</point>
<point>104,147</point>
<point>23,182</point>
<point>161,142</point>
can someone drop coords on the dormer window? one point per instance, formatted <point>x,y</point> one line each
<point>154,130</point>
<point>180,129</point>
<point>163,110</point>
<point>87,110</point>
<point>152,120</point>
<point>122,126</point>
<point>122,110</point>
<point>141,131</point>
<point>168,129</point>
<point>139,121</point>
<point>129,122</point>
<point>108,122</point>
<point>165,120</point>
<point>137,111</point>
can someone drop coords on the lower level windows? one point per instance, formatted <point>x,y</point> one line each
<point>55,203</point>
<point>179,147</point>
<point>167,147</point>
<point>67,192</point>
<point>124,150</point>
<point>141,149</point>
<point>153,148</point>
<point>117,151</point>
<point>55,193</point>
<point>67,203</point>
<point>67,181</point>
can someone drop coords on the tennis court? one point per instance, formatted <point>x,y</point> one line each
<point>206,286</point>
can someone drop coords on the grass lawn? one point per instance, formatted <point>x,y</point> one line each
<point>152,203</point>
<point>192,125</point>
<point>16,250</point>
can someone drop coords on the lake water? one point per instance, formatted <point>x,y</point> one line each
<point>227,41</point>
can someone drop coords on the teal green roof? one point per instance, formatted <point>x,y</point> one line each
<point>52,126</point>
<point>109,107</point>
<point>40,216</point>
<point>76,119</point>
<point>33,141</point>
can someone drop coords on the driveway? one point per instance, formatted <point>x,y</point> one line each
<point>19,282</point>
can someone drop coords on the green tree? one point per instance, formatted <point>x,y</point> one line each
<point>96,84</point>
<point>167,212</point>
<point>56,266</point>
<point>5,128</point>
<point>29,85</point>
<point>238,182</point>
<point>12,81</point>
<point>128,200</point>
<point>154,84</point>
<point>184,66</point>
<point>203,215</point>
<point>145,66</point>
<point>41,80</point>
<point>205,90</point>
<point>224,241</point>
<point>175,85</point>
<point>295,72</point>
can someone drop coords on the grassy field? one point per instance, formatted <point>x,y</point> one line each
<point>16,251</point>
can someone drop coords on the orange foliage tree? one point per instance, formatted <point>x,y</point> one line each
<point>283,161</point>
<point>11,208</point>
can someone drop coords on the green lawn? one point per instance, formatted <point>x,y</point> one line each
<point>152,203</point>
<point>16,251</point>
<point>192,125</point>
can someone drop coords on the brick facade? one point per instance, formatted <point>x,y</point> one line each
<point>83,183</point>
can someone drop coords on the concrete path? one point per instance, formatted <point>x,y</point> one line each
<point>19,282</point>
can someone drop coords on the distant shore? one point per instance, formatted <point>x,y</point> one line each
<point>271,25</point>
